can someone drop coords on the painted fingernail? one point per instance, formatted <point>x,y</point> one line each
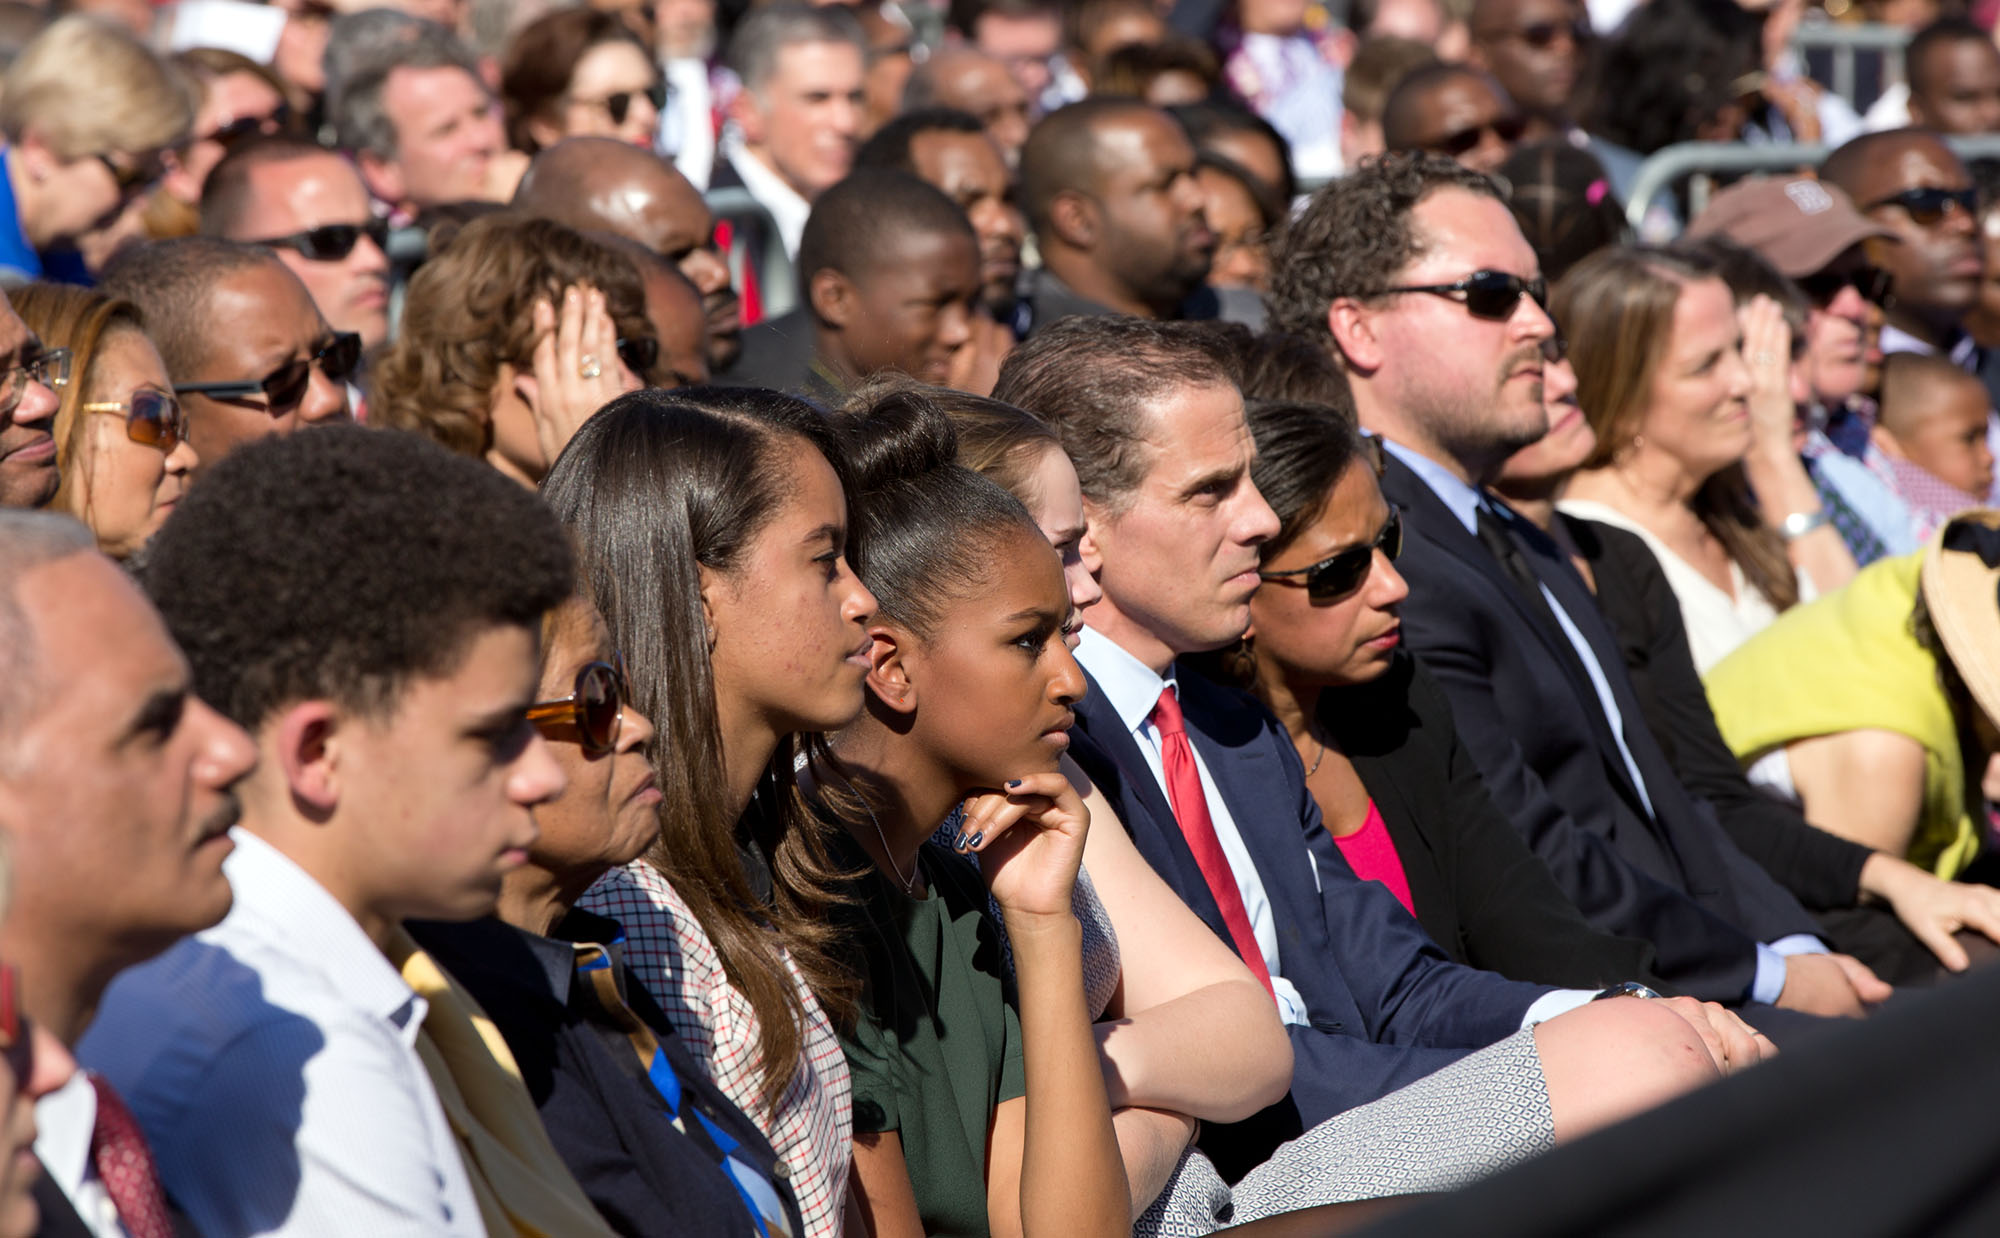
<point>972,844</point>
<point>958,843</point>
<point>1012,783</point>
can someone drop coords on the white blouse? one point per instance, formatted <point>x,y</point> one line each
<point>1716,621</point>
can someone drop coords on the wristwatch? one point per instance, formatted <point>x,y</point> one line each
<point>1798,524</point>
<point>1630,988</point>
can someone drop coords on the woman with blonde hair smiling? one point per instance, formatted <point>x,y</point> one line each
<point>121,437</point>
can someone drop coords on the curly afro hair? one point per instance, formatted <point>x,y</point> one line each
<point>1355,235</point>
<point>344,563</point>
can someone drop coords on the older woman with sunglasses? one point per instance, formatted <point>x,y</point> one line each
<point>580,73</point>
<point>1397,790</point>
<point>659,1150</point>
<point>121,437</point>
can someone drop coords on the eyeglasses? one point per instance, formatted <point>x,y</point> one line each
<point>151,417</point>
<point>286,386</point>
<point>1872,282</point>
<point>1928,206</point>
<point>142,173</point>
<point>1340,574</point>
<point>1491,295</point>
<point>331,242</point>
<point>619,106</point>
<point>17,1031</point>
<point>1461,141</point>
<point>49,368</point>
<point>639,355</point>
<point>593,713</point>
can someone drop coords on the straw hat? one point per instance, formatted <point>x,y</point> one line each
<point>1960,580</point>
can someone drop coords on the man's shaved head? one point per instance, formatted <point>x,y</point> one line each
<point>602,184</point>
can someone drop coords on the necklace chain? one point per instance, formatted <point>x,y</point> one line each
<point>1317,759</point>
<point>916,862</point>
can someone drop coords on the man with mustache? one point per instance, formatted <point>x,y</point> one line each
<point>117,791</point>
<point>1412,272</point>
<point>601,184</point>
<point>1109,188</point>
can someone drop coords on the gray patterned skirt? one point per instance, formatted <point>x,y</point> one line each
<point>1473,1118</point>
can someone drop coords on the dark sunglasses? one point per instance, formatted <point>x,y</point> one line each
<point>1338,575</point>
<point>17,1032</point>
<point>639,355</point>
<point>151,417</point>
<point>1460,141</point>
<point>285,386</point>
<point>1872,282</point>
<point>143,172</point>
<point>593,713</point>
<point>331,242</point>
<point>1542,35</point>
<point>1491,295</point>
<point>49,367</point>
<point>619,106</point>
<point>1929,206</point>
<point>246,127</point>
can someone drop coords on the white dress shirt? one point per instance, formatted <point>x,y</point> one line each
<point>64,1121</point>
<point>1131,688</point>
<point>1464,502</point>
<point>272,1062</point>
<point>788,210</point>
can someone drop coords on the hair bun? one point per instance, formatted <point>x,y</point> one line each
<point>892,432</point>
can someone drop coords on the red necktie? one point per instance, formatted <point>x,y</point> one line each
<point>125,1166</point>
<point>1198,828</point>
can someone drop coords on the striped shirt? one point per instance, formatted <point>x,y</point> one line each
<point>812,1130</point>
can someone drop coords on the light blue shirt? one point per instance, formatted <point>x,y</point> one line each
<point>272,1062</point>
<point>1464,502</point>
<point>1133,689</point>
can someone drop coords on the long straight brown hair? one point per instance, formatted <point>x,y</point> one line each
<point>654,487</point>
<point>1617,308</point>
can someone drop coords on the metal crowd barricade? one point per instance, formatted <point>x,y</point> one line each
<point>1856,62</point>
<point>775,282</point>
<point>1703,161</point>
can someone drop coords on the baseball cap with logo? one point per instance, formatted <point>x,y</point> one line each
<point>1798,225</point>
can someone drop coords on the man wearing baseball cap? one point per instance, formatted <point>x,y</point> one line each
<point>1812,234</point>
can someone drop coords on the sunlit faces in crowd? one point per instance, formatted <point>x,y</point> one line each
<point>274,365</point>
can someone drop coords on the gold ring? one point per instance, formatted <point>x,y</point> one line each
<point>587,367</point>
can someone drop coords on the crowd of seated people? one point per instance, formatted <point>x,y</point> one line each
<point>1037,619</point>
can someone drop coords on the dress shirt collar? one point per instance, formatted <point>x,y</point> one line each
<point>1962,351</point>
<point>64,1121</point>
<point>281,904</point>
<point>1462,499</point>
<point>788,209</point>
<point>1127,683</point>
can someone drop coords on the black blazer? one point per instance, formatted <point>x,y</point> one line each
<point>1477,889</point>
<point>780,353</point>
<point>1822,869</point>
<point>1386,1006</point>
<point>1531,719</point>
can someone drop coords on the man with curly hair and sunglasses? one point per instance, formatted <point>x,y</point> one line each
<point>1412,273</point>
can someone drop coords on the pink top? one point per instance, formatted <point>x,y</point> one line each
<point>1371,853</point>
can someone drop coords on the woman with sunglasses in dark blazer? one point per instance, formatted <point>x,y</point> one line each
<point>1399,793</point>
<point>653,1142</point>
<point>121,445</point>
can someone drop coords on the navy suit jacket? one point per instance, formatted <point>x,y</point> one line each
<point>1532,722</point>
<point>1387,1007</point>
